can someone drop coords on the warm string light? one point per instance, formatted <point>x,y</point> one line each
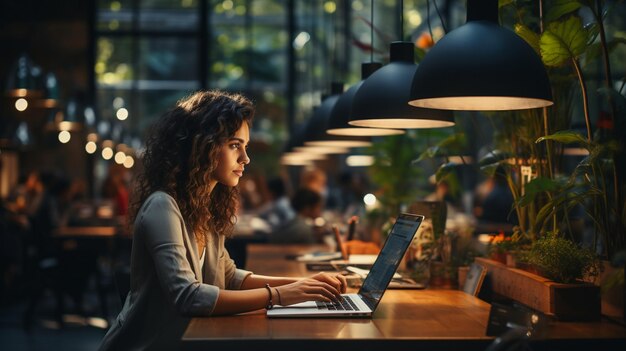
<point>122,114</point>
<point>120,157</point>
<point>129,161</point>
<point>107,149</point>
<point>91,147</point>
<point>64,136</point>
<point>107,153</point>
<point>21,104</point>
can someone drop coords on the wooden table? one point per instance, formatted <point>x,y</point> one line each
<point>86,232</point>
<point>405,320</point>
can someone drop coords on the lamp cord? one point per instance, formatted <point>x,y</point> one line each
<point>333,56</point>
<point>401,20</point>
<point>312,53</point>
<point>328,71</point>
<point>443,25</point>
<point>430,29</point>
<point>372,30</point>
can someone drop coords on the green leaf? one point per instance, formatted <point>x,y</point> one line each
<point>566,137</point>
<point>536,187</point>
<point>593,30</point>
<point>503,3</point>
<point>563,41</point>
<point>445,170</point>
<point>493,158</point>
<point>573,193</point>
<point>451,145</point>
<point>529,36</point>
<point>455,141</point>
<point>595,50</point>
<point>430,152</point>
<point>560,8</point>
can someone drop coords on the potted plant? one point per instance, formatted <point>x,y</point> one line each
<point>562,260</point>
<point>507,250</point>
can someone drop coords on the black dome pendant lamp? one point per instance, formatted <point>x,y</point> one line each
<point>315,131</point>
<point>382,100</point>
<point>481,66</point>
<point>340,115</point>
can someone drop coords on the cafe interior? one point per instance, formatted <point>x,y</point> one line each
<point>501,122</point>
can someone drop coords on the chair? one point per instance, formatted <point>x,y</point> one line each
<point>474,280</point>
<point>358,247</point>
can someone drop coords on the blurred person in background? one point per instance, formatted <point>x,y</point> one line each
<point>314,179</point>
<point>28,194</point>
<point>114,188</point>
<point>352,189</point>
<point>278,210</point>
<point>307,205</point>
<point>495,200</point>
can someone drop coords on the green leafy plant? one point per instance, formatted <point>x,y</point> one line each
<point>562,260</point>
<point>451,145</point>
<point>545,200</point>
<point>394,173</point>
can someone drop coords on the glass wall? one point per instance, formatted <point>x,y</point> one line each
<point>283,54</point>
<point>149,53</point>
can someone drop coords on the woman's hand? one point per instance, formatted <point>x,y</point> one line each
<point>337,280</point>
<point>320,287</point>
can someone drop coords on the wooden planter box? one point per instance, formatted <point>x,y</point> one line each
<point>612,300</point>
<point>569,302</point>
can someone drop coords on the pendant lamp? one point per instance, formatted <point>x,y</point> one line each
<point>51,91</point>
<point>481,66</point>
<point>382,100</point>
<point>315,133</point>
<point>73,119</point>
<point>340,115</point>
<point>323,150</point>
<point>21,81</point>
<point>291,157</point>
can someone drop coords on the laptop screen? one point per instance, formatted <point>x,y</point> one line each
<point>387,262</point>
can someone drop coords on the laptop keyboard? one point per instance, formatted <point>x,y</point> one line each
<point>345,304</point>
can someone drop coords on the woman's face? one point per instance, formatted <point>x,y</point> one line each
<point>233,157</point>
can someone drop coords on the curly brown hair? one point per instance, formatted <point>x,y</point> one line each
<point>181,154</point>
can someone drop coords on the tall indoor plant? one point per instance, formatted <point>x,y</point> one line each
<point>595,185</point>
<point>547,198</point>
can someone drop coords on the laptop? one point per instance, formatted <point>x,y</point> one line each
<point>363,303</point>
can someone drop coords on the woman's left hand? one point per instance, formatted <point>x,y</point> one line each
<point>337,280</point>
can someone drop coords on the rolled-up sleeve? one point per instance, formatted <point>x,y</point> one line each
<point>163,228</point>
<point>234,276</point>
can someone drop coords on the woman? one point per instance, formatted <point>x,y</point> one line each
<point>185,207</point>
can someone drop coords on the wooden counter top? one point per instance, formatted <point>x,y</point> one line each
<point>405,320</point>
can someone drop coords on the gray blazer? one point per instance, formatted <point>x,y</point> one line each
<point>167,286</point>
